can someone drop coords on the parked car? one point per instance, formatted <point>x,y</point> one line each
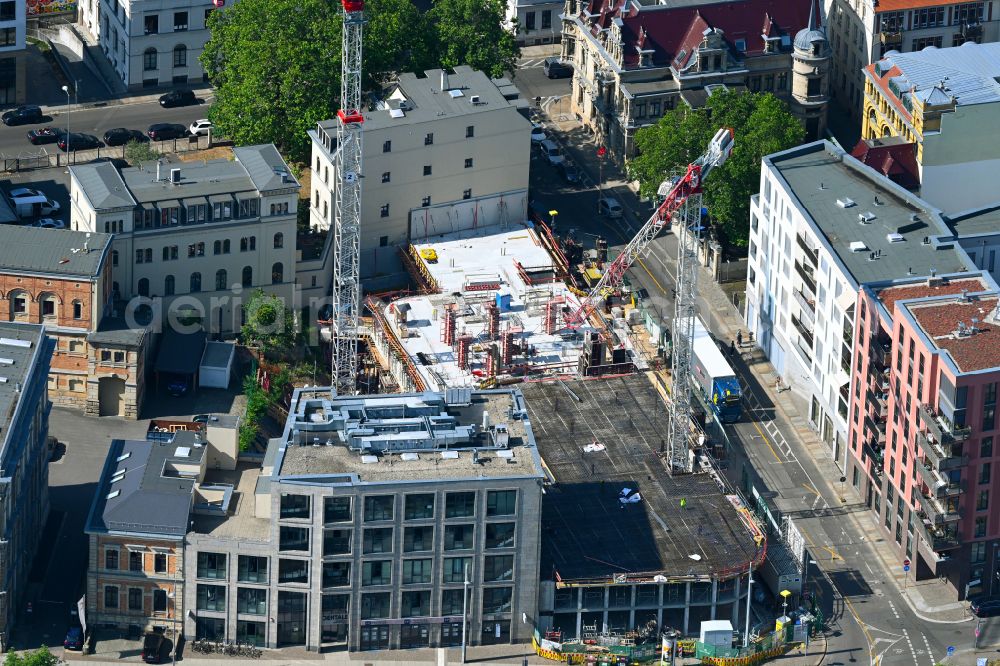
<point>200,127</point>
<point>537,133</point>
<point>555,68</point>
<point>119,136</point>
<point>26,114</point>
<point>164,131</point>
<point>49,223</point>
<point>76,141</point>
<point>609,206</point>
<point>45,135</point>
<point>178,98</point>
<point>152,647</point>
<point>985,607</point>
<point>201,418</point>
<point>177,387</point>
<point>552,152</point>
<point>74,639</point>
<point>24,193</point>
<point>570,173</point>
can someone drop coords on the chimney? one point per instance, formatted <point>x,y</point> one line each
<point>444,80</point>
<point>158,165</point>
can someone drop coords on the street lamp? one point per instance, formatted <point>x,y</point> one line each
<point>746,633</point>
<point>66,90</point>
<point>465,607</point>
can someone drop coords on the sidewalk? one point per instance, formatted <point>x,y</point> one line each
<point>725,321</point>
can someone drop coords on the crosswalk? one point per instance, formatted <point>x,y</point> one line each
<point>530,63</point>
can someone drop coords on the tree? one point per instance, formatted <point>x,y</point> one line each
<point>475,33</point>
<point>761,123</point>
<point>275,64</point>
<point>269,324</point>
<point>140,151</point>
<point>40,657</point>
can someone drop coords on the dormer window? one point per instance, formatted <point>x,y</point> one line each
<point>741,45</point>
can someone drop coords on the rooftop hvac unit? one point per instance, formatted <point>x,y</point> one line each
<point>175,176</point>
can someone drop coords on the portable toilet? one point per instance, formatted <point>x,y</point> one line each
<point>503,301</point>
<point>717,633</point>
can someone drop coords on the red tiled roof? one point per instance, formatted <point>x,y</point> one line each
<point>895,5</point>
<point>883,83</point>
<point>890,295</point>
<point>898,161</point>
<point>672,29</point>
<point>978,350</point>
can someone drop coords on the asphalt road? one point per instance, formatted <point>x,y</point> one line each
<point>96,121</point>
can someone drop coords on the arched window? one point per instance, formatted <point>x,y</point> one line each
<point>144,286</point>
<point>247,276</point>
<point>168,285</point>
<point>279,240</point>
<point>48,302</point>
<point>149,59</point>
<point>195,282</point>
<point>277,273</point>
<point>77,309</point>
<point>180,56</point>
<point>253,243</point>
<point>244,244</point>
<point>225,246</point>
<point>217,247</point>
<point>220,280</point>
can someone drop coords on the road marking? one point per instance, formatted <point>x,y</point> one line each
<point>650,274</point>
<point>530,64</point>
<point>909,643</point>
<point>930,654</point>
<point>892,607</point>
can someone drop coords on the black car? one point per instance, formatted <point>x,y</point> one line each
<point>178,98</point>
<point>45,135</point>
<point>555,68</point>
<point>78,142</point>
<point>164,131</point>
<point>23,115</point>
<point>152,647</point>
<point>985,607</point>
<point>74,639</point>
<point>119,136</point>
<point>570,173</point>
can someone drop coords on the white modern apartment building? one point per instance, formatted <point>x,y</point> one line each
<point>151,43</point>
<point>442,152</point>
<point>822,226</point>
<point>538,21</point>
<point>12,63</point>
<point>196,238</point>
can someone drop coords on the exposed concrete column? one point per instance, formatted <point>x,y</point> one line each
<point>736,604</point>
<point>604,614</point>
<point>687,606</point>
<point>715,597</point>
<point>659,604</point>
<point>579,612</point>
<point>632,604</point>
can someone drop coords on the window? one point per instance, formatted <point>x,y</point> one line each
<point>160,563</point>
<point>429,139</point>
<point>293,538</point>
<point>196,250</point>
<point>8,10</point>
<point>418,539</point>
<point>383,241</point>
<point>467,194</point>
<point>378,572</point>
<point>247,277</point>
<point>499,535</point>
<point>336,509</point>
<point>453,570</point>
<point>212,565</point>
<point>135,560</point>
<point>149,59</point>
<point>135,598</point>
<point>195,282</point>
<point>425,202</point>
<point>415,604</point>
<point>293,571</point>
<point>212,598</point>
<point>252,633</point>
<point>169,253</point>
<point>180,21</point>
<point>111,559</point>
<point>984,474</point>
<point>252,569</point>
<point>180,56</point>
<point>470,131</point>
<point>114,257</point>
<point>168,285</point>
<point>77,310</point>
<point>8,37</point>
<point>110,596</point>
<point>159,601</point>
<point>378,507</point>
<point>460,505</point>
<point>384,211</point>
<point>387,146</point>
<point>496,600</point>
<point>221,279</point>
<point>375,605</point>
<point>458,537</point>
<point>143,287</point>
<point>336,574</point>
<point>497,568</point>
<point>336,542</point>
<point>48,306</point>
<point>377,540</point>
<point>279,241</point>
<point>251,600</point>
<point>501,502</point>
<point>417,571</point>
<point>468,162</point>
<point>529,21</point>
<point>216,247</point>
<point>427,169</point>
<point>923,42</point>
<point>294,507</point>
<point>277,273</point>
<point>986,447</point>
<point>152,26</point>
<point>419,507</point>
<point>546,19</point>
<point>980,530</point>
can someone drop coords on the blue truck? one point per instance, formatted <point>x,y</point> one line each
<point>713,377</point>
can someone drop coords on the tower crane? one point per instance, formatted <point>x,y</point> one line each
<point>682,198</point>
<point>346,288</point>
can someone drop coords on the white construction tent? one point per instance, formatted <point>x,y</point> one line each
<point>216,365</point>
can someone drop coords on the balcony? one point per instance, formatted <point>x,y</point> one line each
<point>804,331</point>
<point>940,428</point>
<point>971,31</point>
<point>940,487</point>
<point>879,380</point>
<point>881,354</point>
<point>879,402</point>
<point>807,276</point>
<point>890,39</point>
<point>938,538</point>
<point>941,458</point>
<point>875,453</point>
<point>938,512</point>
<point>807,304</point>
<point>812,254</point>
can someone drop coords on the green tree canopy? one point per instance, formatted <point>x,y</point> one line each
<point>40,657</point>
<point>269,323</point>
<point>761,123</point>
<point>475,33</point>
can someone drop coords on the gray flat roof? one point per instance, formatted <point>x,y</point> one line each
<point>117,331</point>
<point>135,495</point>
<point>985,221</point>
<point>52,251</point>
<point>818,174</point>
<point>19,349</point>
<point>587,533</point>
<point>967,73</point>
<point>265,167</point>
<point>103,185</point>
<point>180,353</point>
<point>198,179</point>
<point>218,354</point>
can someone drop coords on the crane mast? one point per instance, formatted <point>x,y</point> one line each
<point>346,291</point>
<point>682,199</point>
